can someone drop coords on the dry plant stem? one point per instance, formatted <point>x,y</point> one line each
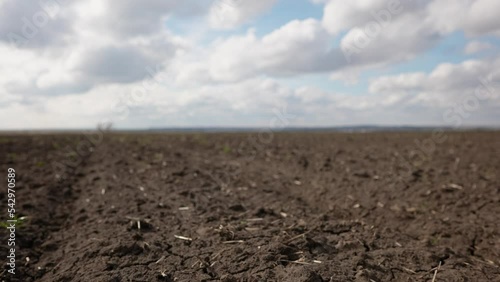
<point>436,272</point>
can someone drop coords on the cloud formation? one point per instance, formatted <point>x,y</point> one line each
<point>228,14</point>
<point>190,63</point>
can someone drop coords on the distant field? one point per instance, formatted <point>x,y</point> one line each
<point>292,207</point>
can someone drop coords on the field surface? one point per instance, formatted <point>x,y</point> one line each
<point>291,207</point>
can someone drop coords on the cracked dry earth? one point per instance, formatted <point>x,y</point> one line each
<point>305,207</point>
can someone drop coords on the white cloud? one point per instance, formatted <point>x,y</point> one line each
<point>343,15</point>
<point>398,83</point>
<point>476,47</point>
<point>445,85</point>
<point>394,42</point>
<point>129,18</point>
<point>34,25</point>
<point>296,48</point>
<point>475,18</point>
<point>117,102</point>
<point>227,14</point>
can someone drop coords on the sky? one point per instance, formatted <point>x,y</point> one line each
<point>241,63</point>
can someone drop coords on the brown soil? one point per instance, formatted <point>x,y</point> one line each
<point>256,207</point>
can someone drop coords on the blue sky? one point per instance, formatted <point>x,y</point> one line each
<point>282,12</point>
<point>166,63</point>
